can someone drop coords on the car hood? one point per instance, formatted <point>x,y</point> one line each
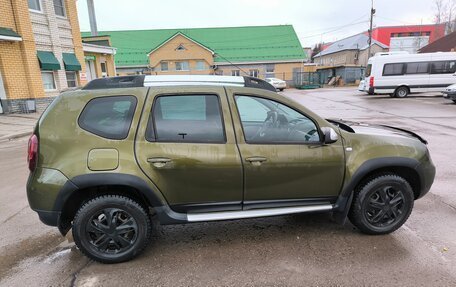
<point>379,130</point>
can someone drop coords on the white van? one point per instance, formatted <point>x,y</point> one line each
<point>401,74</point>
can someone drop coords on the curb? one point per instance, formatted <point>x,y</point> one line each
<point>14,136</point>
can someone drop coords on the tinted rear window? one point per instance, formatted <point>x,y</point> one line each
<point>108,117</point>
<point>368,70</point>
<point>186,118</point>
<point>393,69</point>
<point>443,67</point>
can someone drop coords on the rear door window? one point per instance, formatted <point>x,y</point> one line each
<point>186,118</point>
<point>108,117</point>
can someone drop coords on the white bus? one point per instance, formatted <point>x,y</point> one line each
<point>401,74</point>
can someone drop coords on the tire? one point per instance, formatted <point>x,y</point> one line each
<point>454,101</point>
<point>372,211</point>
<point>401,92</point>
<point>392,95</point>
<point>281,90</point>
<point>123,239</point>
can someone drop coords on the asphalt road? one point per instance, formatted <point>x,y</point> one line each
<point>298,250</point>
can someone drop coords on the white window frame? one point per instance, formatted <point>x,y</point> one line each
<point>75,78</point>
<point>235,73</point>
<point>64,16</point>
<point>202,68</point>
<point>167,66</point>
<point>182,70</point>
<point>253,71</point>
<point>53,78</point>
<point>40,3</point>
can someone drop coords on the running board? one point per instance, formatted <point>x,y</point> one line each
<point>227,215</point>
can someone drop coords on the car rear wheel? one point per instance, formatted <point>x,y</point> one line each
<point>401,92</point>
<point>382,204</point>
<point>454,101</point>
<point>111,229</point>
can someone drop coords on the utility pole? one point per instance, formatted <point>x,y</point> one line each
<point>92,18</point>
<point>370,29</point>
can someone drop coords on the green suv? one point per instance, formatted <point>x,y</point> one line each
<point>103,160</point>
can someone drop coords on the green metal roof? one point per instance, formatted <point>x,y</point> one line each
<point>48,61</point>
<point>71,62</point>
<point>231,44</point>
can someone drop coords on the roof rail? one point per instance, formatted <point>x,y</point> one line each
<point>116,82</point>
<point>177,80</point>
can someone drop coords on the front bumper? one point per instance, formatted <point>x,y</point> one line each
<point>449,95</point>
<point>426,171</point>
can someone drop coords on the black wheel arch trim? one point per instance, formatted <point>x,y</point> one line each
<point>164,213</point>
<point>343,203</point>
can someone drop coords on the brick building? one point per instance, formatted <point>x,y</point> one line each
<point>259,51</point>
<point>41,53</point>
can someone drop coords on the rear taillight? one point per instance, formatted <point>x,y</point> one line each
<point>32,153</point>
<point>371,81</point>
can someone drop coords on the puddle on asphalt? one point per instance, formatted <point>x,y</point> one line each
<point>12,255</point>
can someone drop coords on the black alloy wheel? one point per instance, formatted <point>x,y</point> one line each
<point>111,228</point>
<point>381,204</point>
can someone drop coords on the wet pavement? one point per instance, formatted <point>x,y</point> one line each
<point>297,250</point>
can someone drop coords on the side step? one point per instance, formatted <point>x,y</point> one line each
<point>226,215</point>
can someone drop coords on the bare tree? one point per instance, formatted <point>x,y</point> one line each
<point>439,11</point>
<point>445,12</point>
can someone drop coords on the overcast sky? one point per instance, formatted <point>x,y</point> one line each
<point>335,19</point>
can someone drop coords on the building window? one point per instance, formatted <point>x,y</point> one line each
<point>34,5</point>
<point>103,69</point>
<point>269,68</point>
<point>235,73</point>
<point>200,65</point>
<point>164,66</point>
<point>71,79</point>
<point>182,66</point>
<point>180,48</point>
<point>59,8</point>
<point>48,80</point>
<point>254,73</point>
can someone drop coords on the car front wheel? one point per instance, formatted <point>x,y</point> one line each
<point>382,204</point>
<point>111,229</point>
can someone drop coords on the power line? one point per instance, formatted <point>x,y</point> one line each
<point>340,28</point>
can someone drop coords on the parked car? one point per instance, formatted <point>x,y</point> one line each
<point>277,83</point>
<point>362,86</point>
<point>401,74</point>
<point>190,149</point>
<point>450,93</point>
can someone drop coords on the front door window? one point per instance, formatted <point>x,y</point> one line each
<point>267,121</point>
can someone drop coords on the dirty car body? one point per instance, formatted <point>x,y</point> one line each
<point>197,148</point>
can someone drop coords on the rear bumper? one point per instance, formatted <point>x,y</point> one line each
<point>50,218</point>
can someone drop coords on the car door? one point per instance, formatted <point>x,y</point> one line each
<point>283,158</point>
<point>186,146</point>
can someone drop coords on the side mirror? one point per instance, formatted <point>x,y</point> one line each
<point>329,135</point>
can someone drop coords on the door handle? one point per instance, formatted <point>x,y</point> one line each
<point>158,161</point>
<point>256,160</point>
